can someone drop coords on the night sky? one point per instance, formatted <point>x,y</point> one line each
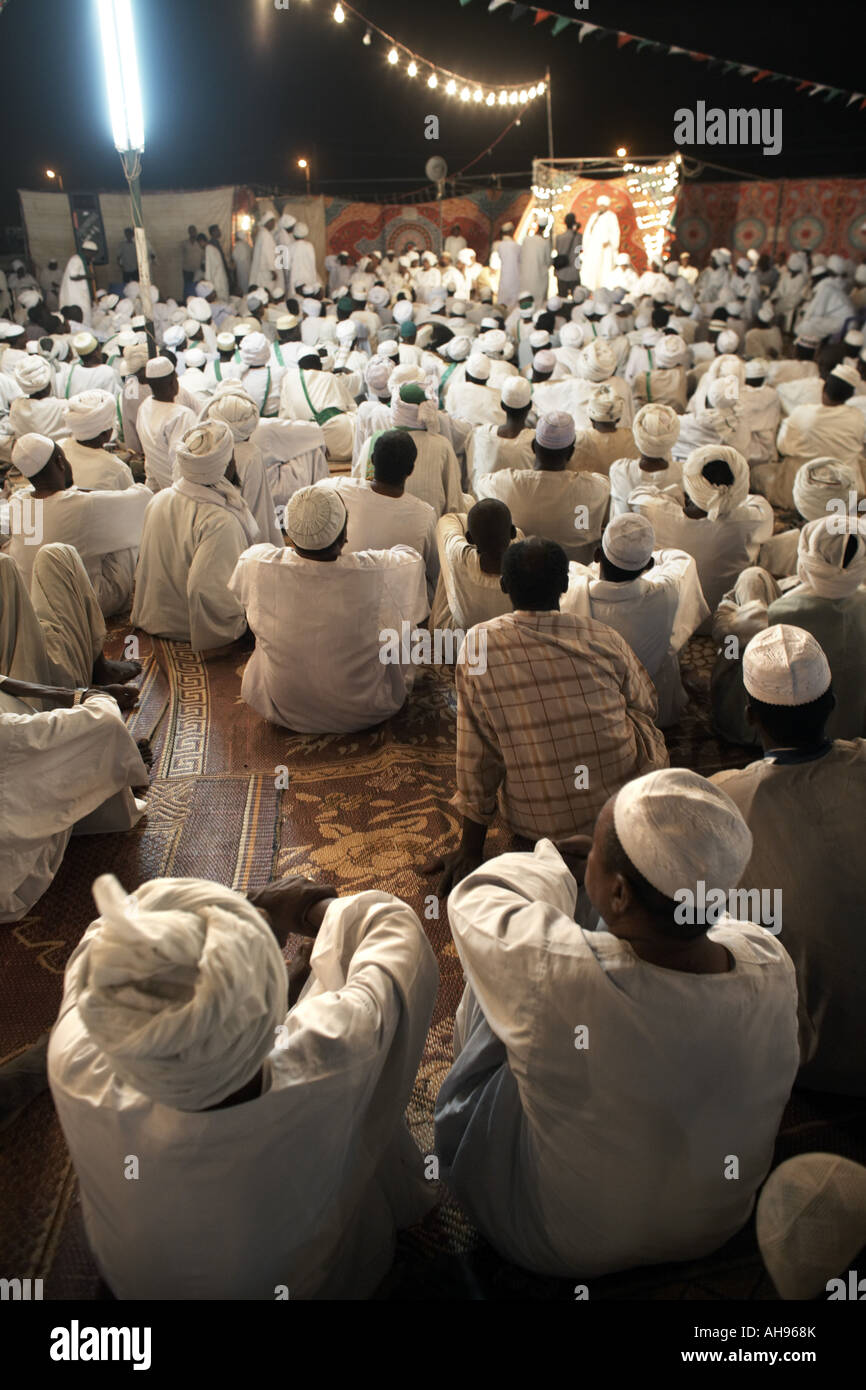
<point>236,90</point>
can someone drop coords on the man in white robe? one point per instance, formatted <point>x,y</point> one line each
<point>514,1113</point>
<point>507,257</point>
<point>509,445</point>
<point>75,285</point>
<point>91,418</point>
<point>71,767</point>
<point>308,392</point>
<point>240,413</point>
<point>551,500</point>
<point>86,371</point>
<point>294,455</point>
<point>600,245</point>
<point>194,532</point>
<point>104,527</point>
<point>263,268</point>
<point>655,431</point>
<point>471,549</point>
<point>304,270</point>
<point>160,421</point>
<point>833,429</point>
<point>535,261</point>
<point>215,269</point>
<point>804,801</point>
<point>314,599</point>
<point>381,513</point>
<point>38,410</point>
<point>473,399</point>
<point>606,439</point>
<point>436,476</point>
<point>762,412</point>
<point>276,1143</point>
<point>652,598</point>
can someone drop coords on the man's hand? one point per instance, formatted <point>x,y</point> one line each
<point>298,971</point>
<point>575,851</point>
<point>125,695</point>
<point>452,868</point>
<point>287,902</point>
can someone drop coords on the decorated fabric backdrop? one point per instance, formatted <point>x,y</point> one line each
<point>369,227</point>
<point>827,215</point>
<point>582,199</point>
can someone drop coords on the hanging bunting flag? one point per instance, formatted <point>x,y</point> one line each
<point>714,63</point>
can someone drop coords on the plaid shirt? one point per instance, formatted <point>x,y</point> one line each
<point>560,694</point>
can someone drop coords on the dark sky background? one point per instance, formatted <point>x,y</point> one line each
<point>235,90</point>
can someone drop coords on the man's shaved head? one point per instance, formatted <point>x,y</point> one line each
<point>394,455</point>
<point>489,526</point>
<point>535,574</point>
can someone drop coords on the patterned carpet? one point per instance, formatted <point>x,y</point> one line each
<point>239,801</point>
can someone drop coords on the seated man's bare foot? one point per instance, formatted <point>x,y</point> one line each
<point>107,672</point>
<point>144,748</point>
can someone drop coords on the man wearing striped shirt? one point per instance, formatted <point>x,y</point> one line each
<point>554,721</point>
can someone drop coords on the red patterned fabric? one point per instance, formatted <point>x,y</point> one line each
<point>369,227</point>
<point>781,216</point>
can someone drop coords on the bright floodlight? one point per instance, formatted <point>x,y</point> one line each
<point>302,164</point>
<point>121,74</point>
<point>622,152</point>
<point>50,174</point>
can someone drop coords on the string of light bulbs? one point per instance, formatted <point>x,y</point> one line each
<point>438,78</point>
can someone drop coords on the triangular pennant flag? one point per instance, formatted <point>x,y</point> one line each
<point>674,50</point>
<point>863,103</point>
<point>818,87</point>
<point>729,67</point>
<point>623,39</point>
<point>765,72</point>
<point>518,11</point>
<point>855,96</point>
<point>465,2</point>
<point>832,93</point>
<point>699,57</point>
<point>561,23</point>
<point>780,77</point>
<point>801,87</point>
<point>647,43</point>
<point>746,71</point>
<point>497,4</point>
<point>586,29</point>
<point>541,15</point>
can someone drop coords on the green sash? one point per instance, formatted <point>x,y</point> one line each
<point>278,354</point>
<point>444,382</point>
<point>218,371</point>
<point>69,379</point>
<point>321,417</point>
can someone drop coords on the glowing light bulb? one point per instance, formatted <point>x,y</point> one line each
<point>367,39</point>
<point>412,69</point>
<point>432,80</point>
<point>503,98</point>
<point>451,87</point>
<point>491,99</point>
<point>479,95</point>
<point>393,57</point>
<point>339,14</point>
<point>464,95</point>
<point>621,152</point>
<point>523,97</point>
<point>512,99</point>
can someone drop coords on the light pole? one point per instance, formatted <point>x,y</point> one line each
<point>52,174</point>
<point>127,125</point>
<point>305,165</point>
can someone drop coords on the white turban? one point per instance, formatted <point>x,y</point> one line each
<point>724,391</point>
<point>199,310</point>
<point>784,665</point>
<point>90,413</point>
<point>713,499</point>
<point>493,342</point>
<point>539,338</point>
<point>727,341</point>
<point>182,989</point>
<point>378,374</point>
<point>84,344</point>
<point>544,361</point>
<point>478,366</point>
<point>574,334</point>
<point>379,297</point>
<point>31,452</point>
<point>811,1222</point>
<point>605,404</point>
<point>608,328</point>
<point>670,351</point>
<point>766,314</point>
<point>407,373</point>
<point>821,551</point>
<point>757,369</point>
<point>33,374</point>
<point>238,411</point>
<point>823,480</point>
<point>312,308</point>
<point>173,336</point>
<point>458,349</point>
<point>656,429</point>
<point>388,347</point>
<point>203,453</point>
<point>315,517</point>
<point>555,431</point>
<point>255,350</point>
<point>158,367</point>
<point>135,356</point>
<point>678,829</point>
<point>628,541</point>
<point>849,375</point>
<point>402,311</point>
<point>515,392</point>
<point>597,361</point>
<point>301,229</point>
